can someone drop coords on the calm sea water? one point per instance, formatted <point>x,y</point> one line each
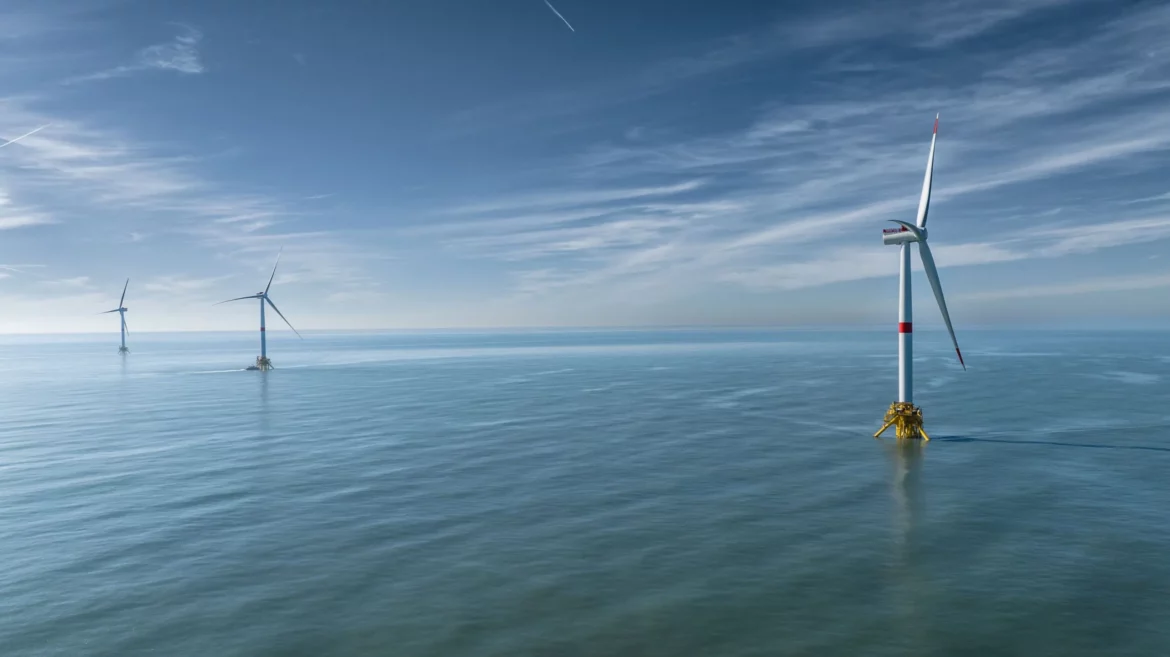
<point>593,494</point>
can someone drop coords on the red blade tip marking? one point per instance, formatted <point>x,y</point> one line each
<point>960,358</point>
<point>936,125</point>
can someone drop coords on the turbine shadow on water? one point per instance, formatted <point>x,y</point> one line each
<point>1054,443</point>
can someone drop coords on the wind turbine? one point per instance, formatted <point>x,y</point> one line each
<point>903,415</point>
<point>262,362</point>
<point>121,310</point>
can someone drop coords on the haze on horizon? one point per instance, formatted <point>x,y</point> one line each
<point>465,164</point>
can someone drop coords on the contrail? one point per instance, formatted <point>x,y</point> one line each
<point>30,132</point>
<point>554,10</point>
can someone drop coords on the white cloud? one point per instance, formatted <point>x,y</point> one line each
<point>172,284</point>
<point>77,282</point>
<point>931,24</point>
<point>789,189</point>
<point>782,196</point>
<point>851,264</point>
<point>569,198</point>
<point>1089,286</point>
<point>101,181</point>
<point>9,221</point>
<point>180,54</point>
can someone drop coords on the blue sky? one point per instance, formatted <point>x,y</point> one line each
<point>459,163</point>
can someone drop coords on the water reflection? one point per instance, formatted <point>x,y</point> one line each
<point>910,581</point>
<point>909,499</point>
<point>263,403</point>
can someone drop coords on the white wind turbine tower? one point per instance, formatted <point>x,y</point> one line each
<point>122,310</point>
<point>903,415</point>
<point>262,362</point>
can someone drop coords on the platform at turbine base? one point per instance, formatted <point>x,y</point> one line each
<point>906,418</point>
<point>262,364</point>
<point>123,350</point>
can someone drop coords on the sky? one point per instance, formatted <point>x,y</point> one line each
<point>472,164</point>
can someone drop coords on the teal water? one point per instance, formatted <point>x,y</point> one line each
<point>594,494</point>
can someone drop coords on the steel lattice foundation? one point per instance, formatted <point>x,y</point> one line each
<point>906,418</point>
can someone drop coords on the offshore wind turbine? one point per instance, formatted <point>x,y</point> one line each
<point>121,310</point>
<point>903,415</point>
<point>262,362</point>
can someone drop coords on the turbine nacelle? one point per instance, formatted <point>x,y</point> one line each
<point>903,234</point>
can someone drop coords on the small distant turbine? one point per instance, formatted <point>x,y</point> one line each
<point>122,310</point>
<point>904,416</point>
<point>262,362</point>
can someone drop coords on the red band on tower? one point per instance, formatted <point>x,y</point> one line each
<point>261,328</point>
<point>905,327</point>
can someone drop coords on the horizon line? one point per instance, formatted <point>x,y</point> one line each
<point>867,328</point>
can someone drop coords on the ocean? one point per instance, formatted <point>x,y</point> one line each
<point>594,494</point>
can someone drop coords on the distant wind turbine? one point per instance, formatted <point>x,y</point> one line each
<point>904,416</point>
<point>121,310</point>
<point>262,362</point>
<point>563,19</point>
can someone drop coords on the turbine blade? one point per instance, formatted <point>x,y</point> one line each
<point>283,317</point>
<point>109,311</point>
<point>936,286</point>
<point>924,200</point>
<point>123,301</point>
<point>251,296</point>
<point>274,270</point>
<point>125,326</point>
<point>910,227</point>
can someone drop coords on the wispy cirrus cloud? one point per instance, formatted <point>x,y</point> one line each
<point>729,170</point>
<point>823,31</point>
<point>97,180</point>
<point>172,284</point>
<point>17,216</point>
<point>1024,127</point>
<point>930,25</point>
<point>74,283</point>
<point>573,198</point>
<point>1088,286</point>
<point>180,54</point>
<point>9,221</point>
